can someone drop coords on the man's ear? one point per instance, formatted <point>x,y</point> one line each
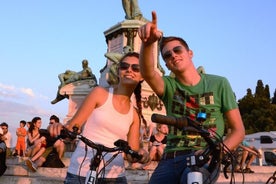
<point>191,53</point>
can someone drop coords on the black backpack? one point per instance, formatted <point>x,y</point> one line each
<point>53,160</point>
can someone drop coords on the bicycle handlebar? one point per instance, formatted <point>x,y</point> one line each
<point>187,124</point>
<point>120,145</point>
<point>179,123</point>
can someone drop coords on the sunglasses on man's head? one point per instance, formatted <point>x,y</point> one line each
<point>125,66</point>
<point>177,50</point>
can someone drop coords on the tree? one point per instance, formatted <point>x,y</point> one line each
<point>258,111</point>
<point>273,101</point>
<point>266,92</point>
<point>247,102</point>
<point>259,92</point>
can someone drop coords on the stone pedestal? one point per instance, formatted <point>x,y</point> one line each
<point>77,91</point>
<point>123,34</point>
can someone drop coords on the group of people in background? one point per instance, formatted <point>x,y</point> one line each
<point>41,144</point>
<point>32,143</point>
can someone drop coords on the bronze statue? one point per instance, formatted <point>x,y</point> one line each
<point>132,9</point>
<point>201,70</point>
<point>71,76</point>
<point>115,57</point>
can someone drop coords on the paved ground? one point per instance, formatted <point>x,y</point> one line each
<point>17,172</point>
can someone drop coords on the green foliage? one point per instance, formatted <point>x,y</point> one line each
<point>274,98</point>
<point>258,111</point>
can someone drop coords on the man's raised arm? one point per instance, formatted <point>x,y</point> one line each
<point>149,34</point>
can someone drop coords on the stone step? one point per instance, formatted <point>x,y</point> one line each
<point>246,177</point>
<point>21,161</point>
<point>56,176</point>
<point>20,174</point>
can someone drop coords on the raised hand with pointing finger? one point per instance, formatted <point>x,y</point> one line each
<point>149,32</point>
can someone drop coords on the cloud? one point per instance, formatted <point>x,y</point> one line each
<point>6,87</point>
<point>28,92</point>
<point>15,110</point>
<point>14,93</point>
<point>21,103</point>
<point>7,90</point>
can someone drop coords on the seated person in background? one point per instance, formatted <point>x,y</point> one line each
<point>38,150</point>
<point>249,154</point>
<point>58,145</point>
<point>43,149</point>
<point>33,135</point>
<point>157,143</point>
<point>7,138</point>
<point>36,143</point>
<point>70,76</point>
<point>3,149</point>
<point>151,129</point>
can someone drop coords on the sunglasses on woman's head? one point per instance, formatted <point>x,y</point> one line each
<point>177,50</point>
<point>125,66</point>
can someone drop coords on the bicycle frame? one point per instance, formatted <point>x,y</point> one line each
<point>272,179</point>
<point>91,177</point>
<point>120,146</point>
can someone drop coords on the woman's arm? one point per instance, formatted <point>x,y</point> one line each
<point>134,132</point>
<point>94,99</point>
<point>133,139</point>
<point>31,138</point>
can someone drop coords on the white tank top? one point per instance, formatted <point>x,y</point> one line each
<point>105,125</point>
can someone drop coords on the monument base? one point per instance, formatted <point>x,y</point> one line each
<point>76,93</point>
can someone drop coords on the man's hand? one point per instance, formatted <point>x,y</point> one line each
<point>149,32</point>
<point>54,129</point>
<point>145,156</point>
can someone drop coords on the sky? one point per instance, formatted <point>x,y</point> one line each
<point>40,39</point>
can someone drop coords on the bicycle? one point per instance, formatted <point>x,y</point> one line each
<point>211,155</point>
<point>120,146</point>
<point>272,179</point>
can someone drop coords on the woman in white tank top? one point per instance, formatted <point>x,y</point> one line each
<point>105,116</point>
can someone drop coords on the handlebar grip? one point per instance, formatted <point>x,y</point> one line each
<point>180,123</point>
<point>135,154</point>
<point>64,133</point>
<point>126,149</point>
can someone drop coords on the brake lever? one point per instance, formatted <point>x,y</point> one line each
<point>127,149</point>
<point>226,162</point>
